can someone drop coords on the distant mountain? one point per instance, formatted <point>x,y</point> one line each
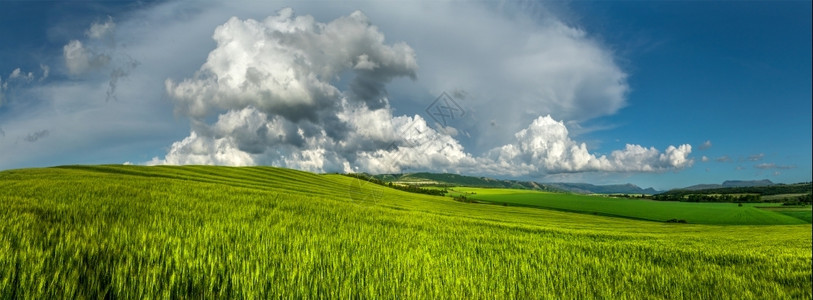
<point>762,187</point>
<point>744,183</point>
<point>462,180</point>
<point>729,184</point>
<point>698,187</point>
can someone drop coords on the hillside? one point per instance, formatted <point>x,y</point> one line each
<point>140,232</point>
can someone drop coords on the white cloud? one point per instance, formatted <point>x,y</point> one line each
<point>277,70</point>
<point>98,57</point>
<point>512,69</point>
<point>79,59</point>
<point>272,84</point>
<point>705,145</point>
<point>285,65</point>
<point>46,71</point>
<point>704,158</point>
<point>101,30</point>
<point>546,147</point>
<point>20,75</point>
<point>16,79</point>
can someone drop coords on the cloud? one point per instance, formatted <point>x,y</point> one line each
<point>120,71</point>
<point>292,91</point>
<point>102,57</point>
<point>18,74</point>
<point>46,71</point>
<point>79,60</point>
<point>768,166</point>
<point>755,157</point>
<point>16,79</point>
<point>277,72</point>
<point>705,145</point>
<point>101,30</point>
<point>723,158</point>
<point>35,136</point>
<point>704,158</point>
<point>272,85</point>
<point>285,64</point>
<point>546,147</point>
<point>512,69</point>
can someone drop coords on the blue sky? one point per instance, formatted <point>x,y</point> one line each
<point>661,94</point>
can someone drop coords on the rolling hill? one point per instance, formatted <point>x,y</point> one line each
<point>263,232</point>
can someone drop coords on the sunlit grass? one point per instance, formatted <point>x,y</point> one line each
<point>261,232</point>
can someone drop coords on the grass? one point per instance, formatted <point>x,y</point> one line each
<point>698,213</point>
<point>262,232</point>
<point>804,213</point>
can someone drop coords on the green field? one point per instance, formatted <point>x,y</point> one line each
<point>261,232</point>
<point>804,213</point>
<point>697,213</point>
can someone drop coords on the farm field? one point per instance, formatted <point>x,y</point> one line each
<point>264,232</point>
<point>804,213</point>
<point>696,213</point>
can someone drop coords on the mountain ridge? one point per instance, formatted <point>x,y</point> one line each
<point>448,179</point>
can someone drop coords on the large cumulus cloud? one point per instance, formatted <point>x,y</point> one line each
<point>292,91</point>
<point>282,71</point>
<point>285,65</point>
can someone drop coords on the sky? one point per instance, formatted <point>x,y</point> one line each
<point>661,94</point>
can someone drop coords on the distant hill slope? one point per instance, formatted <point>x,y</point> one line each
<point>462,180</point>
<point>744,183</point>
<point>729,184</point>
<point>773,189</point>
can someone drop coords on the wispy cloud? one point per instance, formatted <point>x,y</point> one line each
<point>768,166</point>
<point>705,145</point>
<point>35,136</point>
<point>723,158</point>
